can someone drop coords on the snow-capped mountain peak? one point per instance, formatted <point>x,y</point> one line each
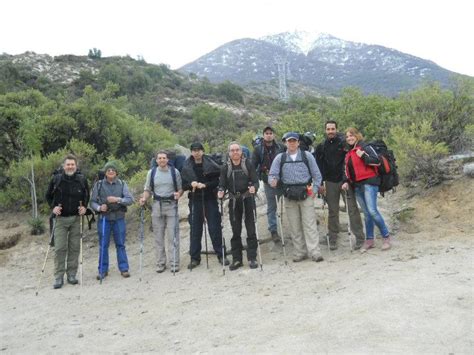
<point>296,41</point>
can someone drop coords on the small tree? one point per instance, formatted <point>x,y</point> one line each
<point>95,53</point>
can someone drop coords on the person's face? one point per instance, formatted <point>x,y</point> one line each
<point>292,144</point>
<point>350,138</point>
<point>162,160</point>
<point>197,154</point>
<point>70,167</point>
<point>110,174</point>
<point>331,130</point>
<point>235,152</point>
<point>268,135</point>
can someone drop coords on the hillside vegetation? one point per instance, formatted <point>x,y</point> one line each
<point>125,109</point>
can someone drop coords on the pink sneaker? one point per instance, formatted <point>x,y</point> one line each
<point>386,243</point>
<point>368,244</point>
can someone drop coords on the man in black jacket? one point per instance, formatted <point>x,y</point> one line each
<point>239,178</point>
<point>68,195</point>
<point>200,175</point>
<point>262,159</point>
<point>330,156</point>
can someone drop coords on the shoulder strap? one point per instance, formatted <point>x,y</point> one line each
<point>152,180</point>
<point>243,165</point>
<point>173,176</point>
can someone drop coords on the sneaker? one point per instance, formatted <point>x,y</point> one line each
<point>72,280</point>
<point>235,265</point>
<point>386,243</point>
<point>226,261</point>
<point>58,283</point>
<point>275,237</point>
<point>193,264</point>
<point>253,264</point>
<point>368,244</point>
<point>125,274</point>
<point>104,275</point>
<point>297,259</point>
<point>317,258</point>
<point>160,268</point>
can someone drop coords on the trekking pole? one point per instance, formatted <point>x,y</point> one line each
<point>47,252</point>
<point>349,231</point>
<point>192,218</point>
<point>222,234</point>
<point>101,254</point>
<point>256,231</point>
<point>81,260</point>
<point>280,214</point>
<point>326,219</point>
<point>204,221</point>
<point>176,222</point>
<point>141,237</point>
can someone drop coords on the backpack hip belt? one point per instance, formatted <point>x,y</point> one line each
<point>237,195</point>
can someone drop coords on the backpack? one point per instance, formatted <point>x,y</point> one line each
<point>387,169</point>
<point>243,164</point>
<point>304,159</point>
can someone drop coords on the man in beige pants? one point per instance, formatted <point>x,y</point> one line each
<point>296,169</point>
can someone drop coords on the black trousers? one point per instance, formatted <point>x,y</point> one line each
<point>238,208</point>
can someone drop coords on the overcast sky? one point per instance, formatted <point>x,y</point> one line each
<point>176,32</point>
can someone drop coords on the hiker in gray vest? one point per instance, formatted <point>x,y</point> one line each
<point>330,155</point>
<point>110,197</point>
<point>163,183</point>
<point>239,178</point>
<point>295,172</point>
<point>262,159</point>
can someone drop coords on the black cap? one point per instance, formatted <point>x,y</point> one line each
<point>197,146</point>
<point>268,128</point>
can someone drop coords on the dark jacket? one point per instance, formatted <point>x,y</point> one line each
<point>330,156</point>
<point>359,171</point>
<point>263,156</point>
<point>69,192</point>
<point>207,173</point>
<point>237,181</point>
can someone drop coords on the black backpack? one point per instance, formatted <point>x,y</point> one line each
<point>388,167</point>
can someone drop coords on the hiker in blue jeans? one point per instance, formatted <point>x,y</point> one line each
<point>361,173</point>
<point>111,197</point>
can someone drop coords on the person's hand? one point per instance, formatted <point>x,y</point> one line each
<point>220,194</point>
<point>273,183</point>
<point>345,186</point>
<point>82,210</point>
<point>201,186</point>
<point>194,185</point>
<point>359,153</point>
<point>57,210</point>
<point>103,208</point>
<point>252,189</point>
<point>322,190</point>
<point>142,201</point>
<point>177,195</point>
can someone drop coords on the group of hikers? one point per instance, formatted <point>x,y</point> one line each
<point>340,166</point>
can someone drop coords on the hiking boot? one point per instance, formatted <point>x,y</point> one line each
<point>253,264</point>
<point>104,275</point>
<point>160,268</point>
<point>317,258</point>
<point>58,283</point>
<point>125,274</point>
<point>193,264</point>
<point>275,237</point>
<point>226,261</point>
<point>297,259</point>
<point>368,244</point>
<point>72,280</point>
<point>235,265</point>
<point>358,244</point>
<point>386,243</point>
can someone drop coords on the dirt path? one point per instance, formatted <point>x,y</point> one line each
<point>415,298</point>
